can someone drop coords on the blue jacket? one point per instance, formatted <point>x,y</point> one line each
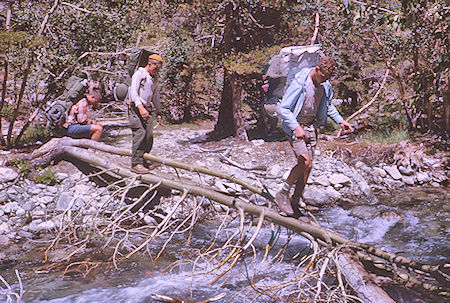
<point>292,103</point>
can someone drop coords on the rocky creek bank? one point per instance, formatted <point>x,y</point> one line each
<point>30,210</point>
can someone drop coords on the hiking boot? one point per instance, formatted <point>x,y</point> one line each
<point>284,203</point>
<point>139,169</point>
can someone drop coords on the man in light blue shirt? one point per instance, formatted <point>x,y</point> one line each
<point>305,106</point>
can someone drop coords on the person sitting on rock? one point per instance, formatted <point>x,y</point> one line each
<point>77,123</point>
<point>304,107</point>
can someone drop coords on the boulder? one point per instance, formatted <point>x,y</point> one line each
<point>64,201</point>
<point>321,180</point>
<point>339,179</point>
<point>407,171</point>
<point>378,172</point>
<point>7,174</point>
<point>320,195</point>
<point>423,178</point>
<point>393,172</point>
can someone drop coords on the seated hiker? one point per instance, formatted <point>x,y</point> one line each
<point>78,125</point>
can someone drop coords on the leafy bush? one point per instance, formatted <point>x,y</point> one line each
<point>386,136</point>
<point>22,165</point>
<point>35,133</point>
<point>46,176</point>
<point>7,111</point>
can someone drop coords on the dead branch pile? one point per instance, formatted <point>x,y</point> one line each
<point>331,270</point>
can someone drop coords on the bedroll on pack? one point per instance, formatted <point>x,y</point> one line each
<point>138,57</point>
<point>282,67</point>
<point>56,110</point>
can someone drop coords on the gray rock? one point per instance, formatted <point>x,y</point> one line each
<point>423,178</point>
<point>320,195</point>
<point>3,197</point>
<point>62,176</point>
<point>80,203</point>
<point>378,172</point>
<point>393,172</point>
<point>13,206</point>
<point>409,180</point>
<point>4,240</point>
<point>394,183</point>
<point>28,205</point>
<point>6,209</point>
<point>150,220</point>
<point>7,174</point>
<point>258,200</point>
<point>362,183</point>
<point>64,201</point>
<point>360,165</point>
<point>339,179</point>
<point>25,234</point>
<point>321,180</point>
<point>20,212</point>
<point>37,226</point>
<point>338,186</point>
<point>4,228</point>
<point>275,170</point>
<point>258,142</point>
<point>365,212</point>
<point>1,213</point>
<point>34,190</point>
<point>407,171</point>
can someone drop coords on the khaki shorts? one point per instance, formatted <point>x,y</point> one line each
<point>301,146</point>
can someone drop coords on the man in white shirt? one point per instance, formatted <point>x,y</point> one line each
<point>144,100</point>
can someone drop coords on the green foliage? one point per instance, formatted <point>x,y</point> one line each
<point>7,111</point>
<point>35,133</point>
<point>46,176</point>
<point>22,165</point>
<point>386,136</point>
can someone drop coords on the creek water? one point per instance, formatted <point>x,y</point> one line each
<point>413,222</point>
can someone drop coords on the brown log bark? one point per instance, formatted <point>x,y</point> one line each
<point>360,280</point>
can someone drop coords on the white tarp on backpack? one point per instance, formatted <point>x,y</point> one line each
<point>290,61</point>
<point>293,57</point>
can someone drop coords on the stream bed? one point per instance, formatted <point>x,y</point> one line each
<point>413,222</point>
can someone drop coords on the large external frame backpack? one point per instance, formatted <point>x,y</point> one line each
<point>282,67</point>
<point>138,58</point>
<point>56,110</point>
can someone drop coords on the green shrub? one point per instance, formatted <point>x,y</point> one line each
<point>386,136</point>
<point>46,176</point>
<point>7,111</point>
<point>35,133</point>
<point>22,165</point>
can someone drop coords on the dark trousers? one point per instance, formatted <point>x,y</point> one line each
<point>142,131</point>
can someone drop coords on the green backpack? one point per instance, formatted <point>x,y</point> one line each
<point>138,58</point>
<point>56,110</point>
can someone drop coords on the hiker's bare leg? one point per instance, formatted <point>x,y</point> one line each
<point>301,170</point>
<point>304,166</point>
<point>96,132</point>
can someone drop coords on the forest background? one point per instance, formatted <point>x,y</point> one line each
<point>215,52</point>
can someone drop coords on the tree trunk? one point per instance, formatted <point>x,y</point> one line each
<point>229,122</point>
<point>360,280</point>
